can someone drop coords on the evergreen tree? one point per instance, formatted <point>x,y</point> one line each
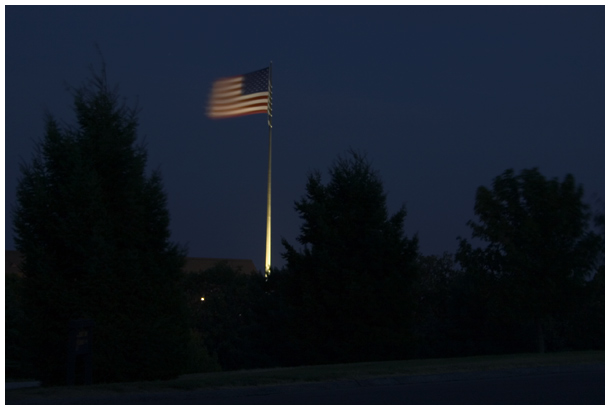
<point>17,364</point>
<point>93,230</point>
<point>355,270</point>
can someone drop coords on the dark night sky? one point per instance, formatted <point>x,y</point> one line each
<point>441,99</point>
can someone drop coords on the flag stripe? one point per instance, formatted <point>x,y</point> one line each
<point>220,88</point>
<point>240,112</point>
<point>228,106</point>
<point>233,108</point>
<point>240,95</point>
<point>241,98</point>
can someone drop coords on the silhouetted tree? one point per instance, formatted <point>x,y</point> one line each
<point>355,270</point>
<point>17,357</point>
<point>93,231</point>
<point>236,317</point>
<point>539,245</point>
<point>585,327</point>
<point>434,314</point>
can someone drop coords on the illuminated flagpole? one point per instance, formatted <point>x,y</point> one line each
<point>244,95</point>
<point>269,118</point>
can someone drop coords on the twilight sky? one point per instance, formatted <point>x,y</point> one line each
<point>441,99</point>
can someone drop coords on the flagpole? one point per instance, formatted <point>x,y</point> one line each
<point>269,118</point>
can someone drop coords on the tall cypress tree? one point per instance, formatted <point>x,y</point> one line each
<point>93,230</point>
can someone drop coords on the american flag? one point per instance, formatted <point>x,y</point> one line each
<point>240,95</point>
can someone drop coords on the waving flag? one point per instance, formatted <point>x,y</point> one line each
<point>240,95</point>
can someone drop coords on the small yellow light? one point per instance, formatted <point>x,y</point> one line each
<point>202,298</point>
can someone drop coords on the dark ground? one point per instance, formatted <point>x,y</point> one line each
<point>576,384</point>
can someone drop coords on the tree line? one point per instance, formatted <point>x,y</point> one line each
<point>93,230</point>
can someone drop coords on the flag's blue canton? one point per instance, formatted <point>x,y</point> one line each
<point>256,82</point>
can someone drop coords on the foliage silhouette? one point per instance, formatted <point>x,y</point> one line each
<point>540,248</point>
<point>354,274</point>
<point>17,358</point>
<point>93,231</point>
<point>237,316</point>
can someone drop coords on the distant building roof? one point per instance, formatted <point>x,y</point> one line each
<point>13,259</point>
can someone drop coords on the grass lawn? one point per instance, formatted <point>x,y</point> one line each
<point>306,374</point>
